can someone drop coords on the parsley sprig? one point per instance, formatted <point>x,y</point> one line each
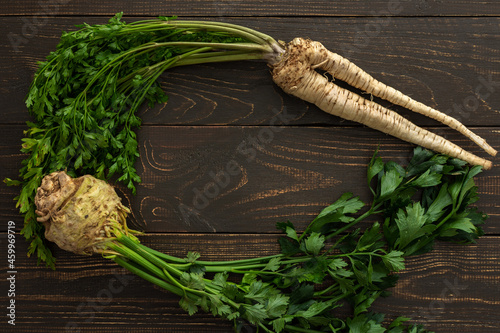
<point>332,264</point>
<point>85,96</point>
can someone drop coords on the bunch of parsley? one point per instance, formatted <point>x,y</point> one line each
<point>332,264</point>
<point>85,95</point>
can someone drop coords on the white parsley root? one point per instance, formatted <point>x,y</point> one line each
<point>296,74</point>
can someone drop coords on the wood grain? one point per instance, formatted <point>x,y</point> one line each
<point>293,159</point>
<point>450,290</point>
<point>457,73</point>
<point>242,179</point>
<point>254,8</point>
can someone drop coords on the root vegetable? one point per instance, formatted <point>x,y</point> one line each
<point>296,74</point>
<point>318,57</point>
<point>79,214</point>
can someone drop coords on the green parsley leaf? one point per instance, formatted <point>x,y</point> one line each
<point>362,324</point>
<point>374,168</point>
<point>279,323</point>
<point>193,280</point>
<point>317,308</point>
<point>188,305</point>
<point>459,223</point>
<point>336,212</point>
<point>314,243</point>
<point>277,305</point>
<point>411,224</point>
<point>428,179</point>
<point>273,265</point>
<point>255,313</point>
<point>394,260</point>
<point>289,246</point>
<point>220,279</point>
<point>192,257</point>
<point>371,239</point>
<point>390,180</point>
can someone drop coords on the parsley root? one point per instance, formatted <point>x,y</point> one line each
<point>296,74</point>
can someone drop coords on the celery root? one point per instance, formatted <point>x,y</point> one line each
<point>79,214</point>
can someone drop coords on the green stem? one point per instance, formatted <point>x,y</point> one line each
<point>137,258</point>
<point>166,268</point>
<point>244,32</point>
<point>240,261</point>
<point>225,46</point>
<point>333,287</point>
<point>180,285</point>
<point>239,269</point>
<point>291,328</point>
<point>256,33</point>
<point>148,277</point>
<point>447,217</point>
<point>221,58</point>
<point>354,253</point>
<point>207,263</point>
<point>159,254</point>
<point>238,30</point>
<point>369,212</point>
<point>133,246</point>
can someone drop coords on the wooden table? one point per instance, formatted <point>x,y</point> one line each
<point>443,53</point>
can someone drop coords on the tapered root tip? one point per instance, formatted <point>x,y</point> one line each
<point>483,144</point>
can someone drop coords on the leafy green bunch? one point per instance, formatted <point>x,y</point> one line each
<point>445,190</point>
<point>334,263</point>
<point>85,96</point>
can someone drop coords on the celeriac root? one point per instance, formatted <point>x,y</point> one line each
<point>79,213</point>
<point>296,74</point>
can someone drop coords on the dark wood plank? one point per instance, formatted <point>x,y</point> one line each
<point>265,174</point>
<point>451,289</point>
<point>253,8</point>
<point>292,176</point>
<point>456,72</point>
